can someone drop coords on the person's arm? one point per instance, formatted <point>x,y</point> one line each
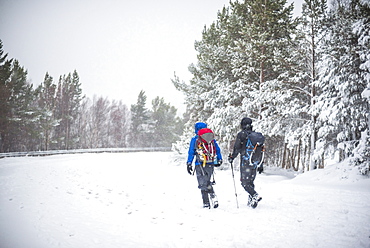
<point>218,151</point>
<point>237,146</point>
<point>191,152</point>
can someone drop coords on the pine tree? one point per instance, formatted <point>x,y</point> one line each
<point>166,124</point>
<point>22,116</point>
<point>361,29</point>
<point>140,122</point>
<point>5,93</point>
<point>76,98</point>
<point>343,112</point>
<point>68,99</point>
<point>262,48</point>
<point>313,18</point>
<point>47,103</point>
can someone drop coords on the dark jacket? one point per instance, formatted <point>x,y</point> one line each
<point>239,145</point>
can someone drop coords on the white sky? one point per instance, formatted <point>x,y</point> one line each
<point>118,47</point>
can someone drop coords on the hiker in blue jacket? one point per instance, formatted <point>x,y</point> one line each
<point>204,171</point>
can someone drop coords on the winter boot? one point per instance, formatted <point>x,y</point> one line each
<point>214,200</point>
<point>250,200</point>
<point>253,200</point>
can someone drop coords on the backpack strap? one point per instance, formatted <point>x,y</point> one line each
<point>254,150</point>
<point>200,144</point>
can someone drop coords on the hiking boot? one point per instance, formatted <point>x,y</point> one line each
<point>257,198</point>
<point>250,200</point>
<point>253,200</point>
<point>214,200</point>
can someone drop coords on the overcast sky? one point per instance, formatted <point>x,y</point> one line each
<point>118,47</point>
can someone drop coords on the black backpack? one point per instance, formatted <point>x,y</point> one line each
<point>254,150</point>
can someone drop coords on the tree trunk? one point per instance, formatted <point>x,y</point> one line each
<point>284,156</point>
<point>299,153</point>
<point>313,102</point>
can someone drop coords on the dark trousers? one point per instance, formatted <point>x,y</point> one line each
<point>247,176</point>
<point>204,175</point>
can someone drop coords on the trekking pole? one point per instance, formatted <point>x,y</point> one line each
<point>236,195</point>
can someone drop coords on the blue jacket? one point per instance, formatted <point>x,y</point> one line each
<point>192,148</point>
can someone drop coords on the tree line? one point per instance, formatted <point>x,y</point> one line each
<point>305,81</point>
<point>56,115</point>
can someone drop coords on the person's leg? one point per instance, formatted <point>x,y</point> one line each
<point>202,178</point>
<point>247,176</point>
<point>204,175</point>
<point>205,199</point>
<point>209,170</point>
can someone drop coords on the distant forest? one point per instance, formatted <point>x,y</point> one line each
<point>56,115</point>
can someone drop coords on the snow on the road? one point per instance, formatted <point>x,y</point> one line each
<point>149,200</point>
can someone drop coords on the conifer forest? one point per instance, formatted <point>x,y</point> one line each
<point>304,81</point>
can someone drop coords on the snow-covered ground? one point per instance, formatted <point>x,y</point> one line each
<point>148,200</point>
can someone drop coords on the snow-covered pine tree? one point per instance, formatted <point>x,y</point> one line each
<point>342,112</point>
<point>361,29</point>
<point>265,62</point>
<point>313,19</point>
<point>241,69</point>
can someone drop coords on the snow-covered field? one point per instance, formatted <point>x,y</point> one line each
<point>148,200</point>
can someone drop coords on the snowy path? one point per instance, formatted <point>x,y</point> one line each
<point>142,200</point>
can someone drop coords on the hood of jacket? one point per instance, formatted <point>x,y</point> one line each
<point>198,126</point>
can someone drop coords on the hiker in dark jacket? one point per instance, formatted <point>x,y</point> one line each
<point>204,171</point>
<point>247,173</point>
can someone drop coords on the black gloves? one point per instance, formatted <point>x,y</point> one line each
<point>189,168</point>
<point>230,158</point>
<point>260,169</point>
<point>219,163</point>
